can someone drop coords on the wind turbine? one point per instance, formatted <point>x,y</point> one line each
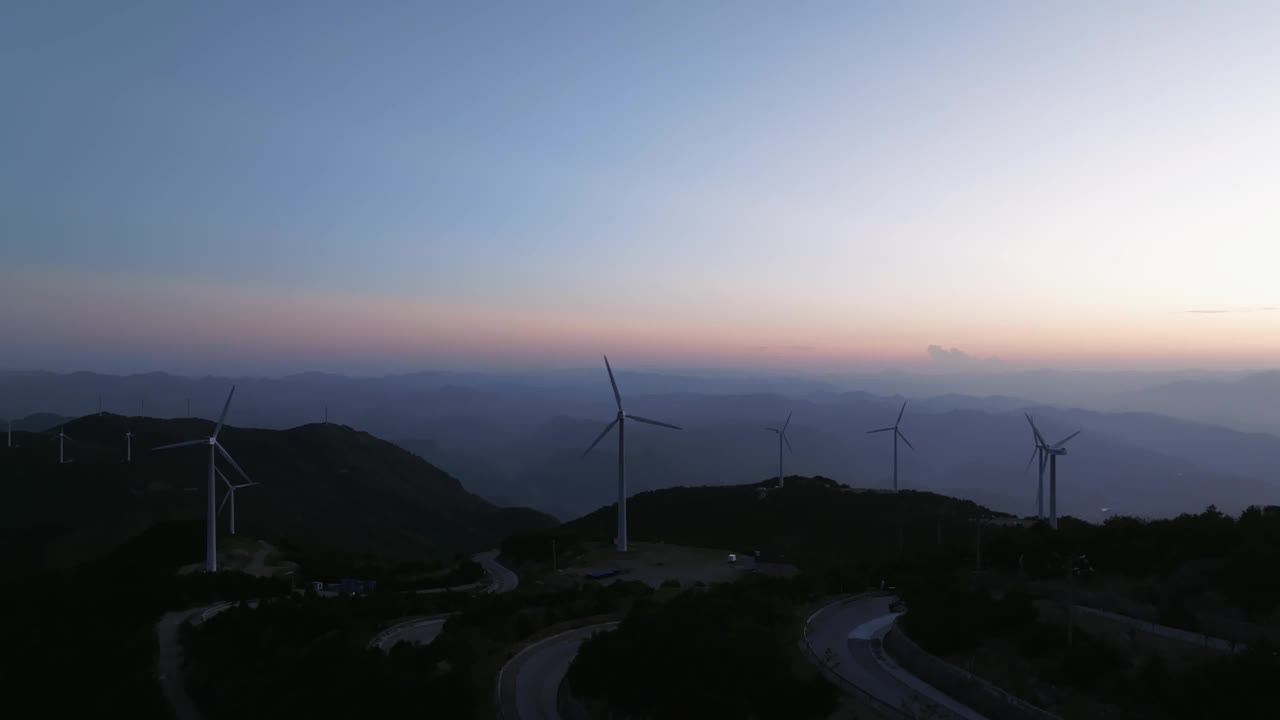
<point>1052,451</point>
<point>620,421</point>
<point>231,494</point>
<point>1039,452</point>
<point>62,435</point>
<point>215,449</point>
<point>128,444</point>
<point>782,438</point>
<point>896,434</point>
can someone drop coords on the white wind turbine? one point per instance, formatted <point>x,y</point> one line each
<point>62,435</point>
<point>215,449</point>
<point>1052,451</point>
<point>620,421</point>
<point>782,438</point>
<point>231,495</point>
<point>896,434</point>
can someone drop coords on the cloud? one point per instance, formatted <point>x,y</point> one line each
<point>954,355</point>
<point>788,348</point>
<point>1229,310</point>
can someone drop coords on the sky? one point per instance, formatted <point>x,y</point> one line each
<point>392,186</point>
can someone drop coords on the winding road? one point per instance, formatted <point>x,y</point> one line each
<point>529,682</point>
<point>500,579</point>
<point>845,636</point>
<point>416,630</point>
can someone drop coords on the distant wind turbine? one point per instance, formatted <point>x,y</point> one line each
<point>128,445</point>
<point>1052,451</point>
<point>62,435</point>
<point>896,434</point>
<point>620,421</point>
<point>215,449</point>
<point>231,495</point>
<point>782,438</point>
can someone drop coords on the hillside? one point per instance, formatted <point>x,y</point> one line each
<point>324,484</point>
<point>810,519</point>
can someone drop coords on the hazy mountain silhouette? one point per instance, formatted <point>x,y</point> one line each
<point>518,437</point>
<point>322,483</point>
<point>1248,403</point>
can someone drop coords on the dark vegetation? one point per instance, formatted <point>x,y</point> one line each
<point>325,564</point>
<point>83,639</point>
<point>729,651</point>
<point>1189,572</point>
<point>812,522</point>
<point>308,656</point>
<point>320,483</point>
<point>1192,565</point>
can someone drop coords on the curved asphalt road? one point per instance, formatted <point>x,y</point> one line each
<point>842,634</point>
<point>419,631</point>
<point>500,579</point>
<point>424,630</point>
<point>529,682</point>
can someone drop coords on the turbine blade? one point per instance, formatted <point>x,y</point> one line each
<point>652,422</point>
<point>223,417</point>
<point>1064,440</point>
<point>202,441</point>
<point>1035,430</point>
<point>905,440</point>
<point>869,432</point>
<point>904,409</point>
<point>788,442</point>
<point>227,456</point>
<point>788,422</point>
<point>68,437</point>
<point>225,497</point>
<point>1033,459</point>
<point>224,477</point>
<point>616,395</point>
<point>776,430</point>
<point>600,437</point>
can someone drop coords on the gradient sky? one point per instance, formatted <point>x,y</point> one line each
<point>288,186</point>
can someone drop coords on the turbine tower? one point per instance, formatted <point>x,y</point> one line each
<point>128,446</point>
<point>62,435</point>
<point>782,438</point>
<point>896,434</point>
<point>231,495</point>
<point>215,449</point>
<point>620,421</point>
<point>1052,451</point>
